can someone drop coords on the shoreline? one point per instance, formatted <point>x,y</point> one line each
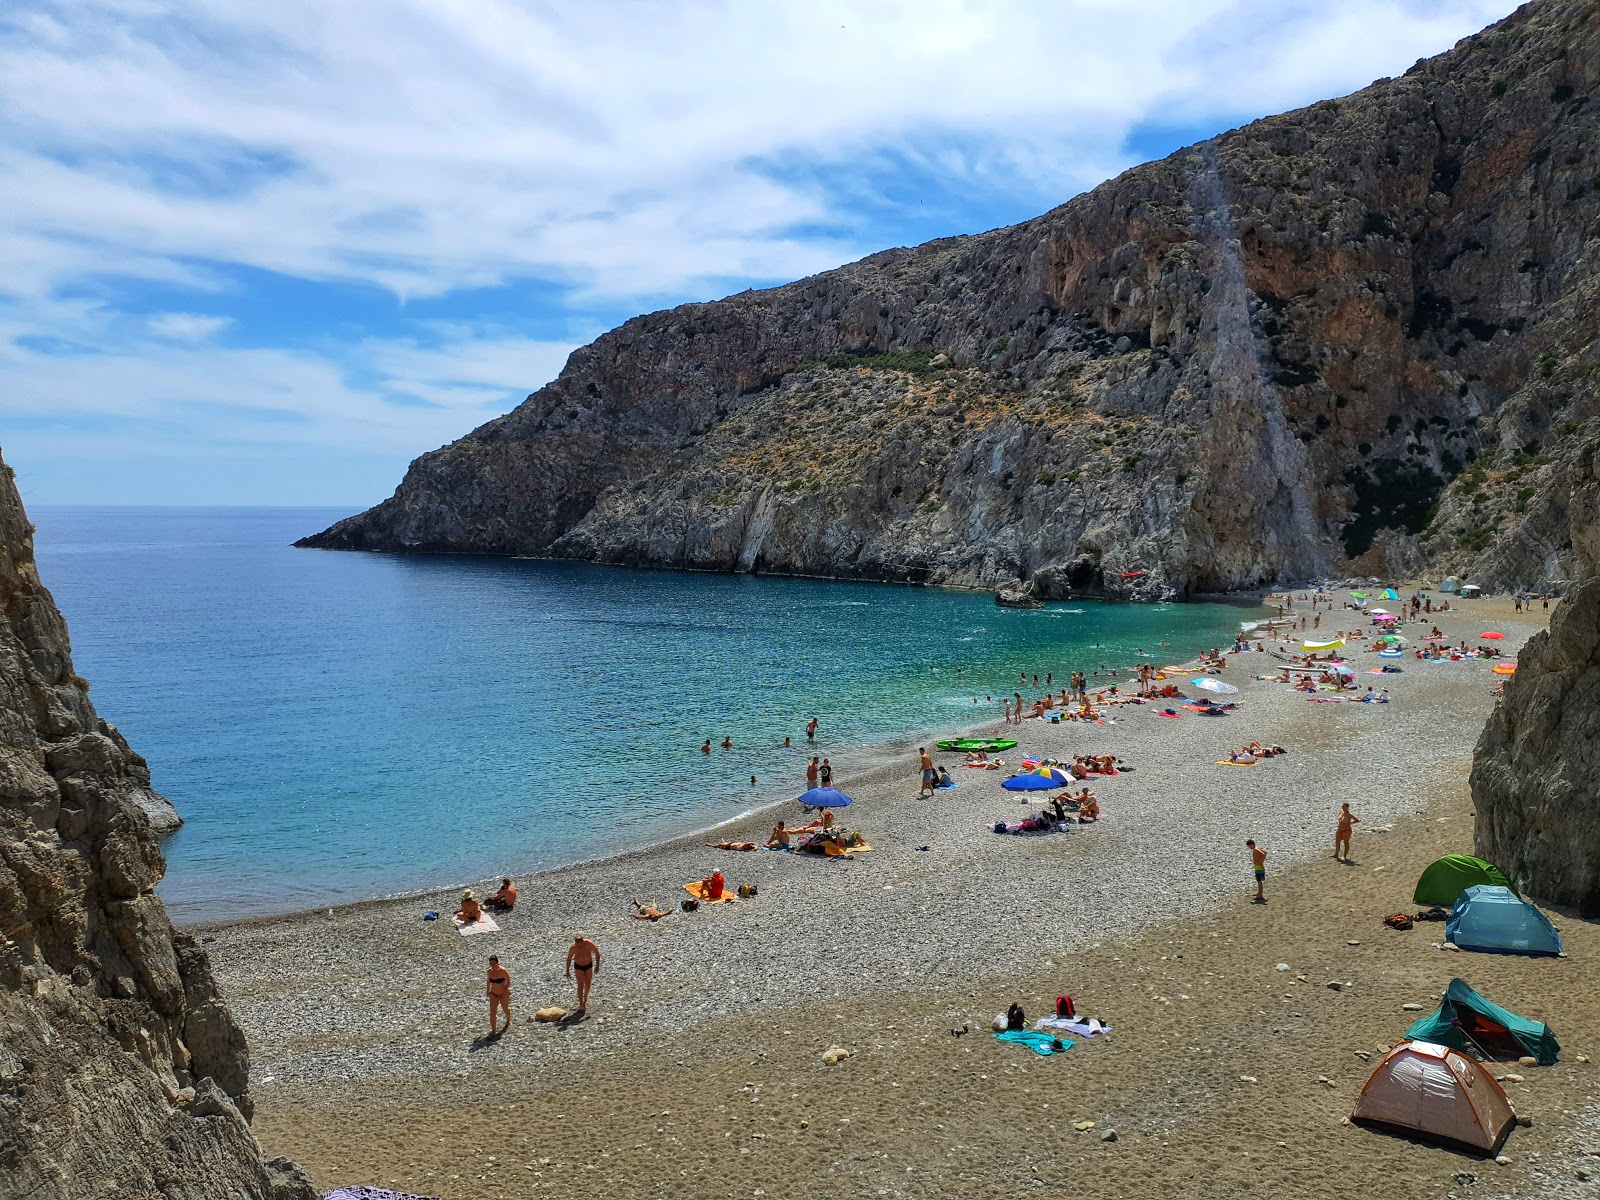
<point>703,1048</point>
<point>885,758</point>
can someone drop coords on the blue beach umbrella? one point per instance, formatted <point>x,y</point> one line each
<point>820,797</point>
<point>1207,684</point>
<point>1029,783</point>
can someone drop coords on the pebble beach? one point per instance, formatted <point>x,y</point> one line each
<point>366,1022</point>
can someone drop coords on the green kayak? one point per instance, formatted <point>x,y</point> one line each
<point>968,745</point>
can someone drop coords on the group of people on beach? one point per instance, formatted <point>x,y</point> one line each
<point>582,965</point>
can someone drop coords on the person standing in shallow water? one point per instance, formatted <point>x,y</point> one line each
<point>584,958</point>
<point>825,774</point>
<point>498,988</point>
<point>812,771</point>
<point>811,730</point>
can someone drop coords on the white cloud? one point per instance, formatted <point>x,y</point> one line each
<point>187,327</point>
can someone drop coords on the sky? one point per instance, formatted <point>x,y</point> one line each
<point>269,253</point>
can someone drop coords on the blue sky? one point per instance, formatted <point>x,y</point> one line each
<point>267,254</point>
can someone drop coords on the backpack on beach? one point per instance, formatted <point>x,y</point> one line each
<point>690,905</point>
<point>746,890</point>
<point>1397,921</point>
<point>1064,1008</point>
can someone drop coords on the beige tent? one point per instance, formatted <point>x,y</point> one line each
<point>1431,1089</point>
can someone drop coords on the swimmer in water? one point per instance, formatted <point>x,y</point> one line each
<point>706,749</point>
<point>787,744</point>
<point>727,743</point>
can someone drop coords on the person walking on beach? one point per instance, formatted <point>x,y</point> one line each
<point>825,774</point>
<point>1341,833</point>
<point>584,958</point>
<point>812,771</point>
<point>811,730</point>
<point>930,777</point>
<point>499,992</point>
<point>1258,859</point>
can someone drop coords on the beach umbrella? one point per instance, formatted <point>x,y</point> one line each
<point>1493,636</point>
<point>1390,654</point>
<point>1313,647</point>
<point>1387,617</point>
<point>821,797</point>
<point>1339,668</point>
<point>1055,775</point>
<point>1505,668</point>
<point>1029,783</point>
<point>1358,595</point>
<point>1207,684</point>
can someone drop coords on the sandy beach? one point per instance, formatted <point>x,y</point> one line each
<point>700,1070</point>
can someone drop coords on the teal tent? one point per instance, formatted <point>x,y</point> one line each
<point>1390,594</point>
<point>1444,881</point>
<point>1468,1022</point>
<point>1494,920</point>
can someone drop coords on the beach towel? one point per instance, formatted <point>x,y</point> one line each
<point>697,889</point>
<point>484,924</point>
<point>833,851</point>
<point>1167,712</point>
<point>1228,762</point>
<point>1040,1043</point>
<point>945,787</point>
<point>1088,1028</point>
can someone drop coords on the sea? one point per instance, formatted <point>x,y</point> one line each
<point>336,726</point>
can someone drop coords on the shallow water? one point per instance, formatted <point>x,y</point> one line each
<point>340,726</point>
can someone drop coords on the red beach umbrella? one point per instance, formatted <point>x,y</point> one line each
<point>1492,636</point>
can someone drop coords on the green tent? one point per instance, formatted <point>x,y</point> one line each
<point>1468,1022</point>
<point>1444,881</point>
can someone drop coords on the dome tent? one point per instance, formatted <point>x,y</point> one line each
<point>1466,1021</point>
<point>1494,920</point>
<point>1446,878</point>
<point>1425,1088</point>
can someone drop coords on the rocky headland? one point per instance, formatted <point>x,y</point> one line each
<point>122,1073</point>
<point>1356,337</point>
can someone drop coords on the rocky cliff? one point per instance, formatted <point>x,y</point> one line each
<point>1351,337</point>
<point>122,1074</point>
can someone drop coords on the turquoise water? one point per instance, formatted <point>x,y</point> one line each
<point>340,726</point>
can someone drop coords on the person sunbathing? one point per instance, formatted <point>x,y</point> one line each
<point>981,758</point>
<point>1089,810</point>
<point>824,820</point>
<point>712,886</point>
<point>649,912</point>
<point>505,899</point>
<point>1104,763</point>
<point>731,845</point>
<point>779,839</point>
<point>470,910</point>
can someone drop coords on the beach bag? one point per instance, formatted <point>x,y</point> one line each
<point>1064,1008</point>
<point>746,890</point>
<point>690,905</point>
<point>1397,921</point>
<point>1016,1018</point>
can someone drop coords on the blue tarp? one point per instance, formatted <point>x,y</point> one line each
<point>1493,919</point>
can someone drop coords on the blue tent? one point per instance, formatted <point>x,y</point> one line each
<point>1029,783</point>
<point>1492,918</point>
<point>823,798</point>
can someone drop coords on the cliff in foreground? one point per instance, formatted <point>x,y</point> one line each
<point>122,1074</point>
<point>1349,337</point>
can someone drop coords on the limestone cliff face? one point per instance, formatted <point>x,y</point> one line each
<point>1263,357</point>
<point>122,1074</point>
